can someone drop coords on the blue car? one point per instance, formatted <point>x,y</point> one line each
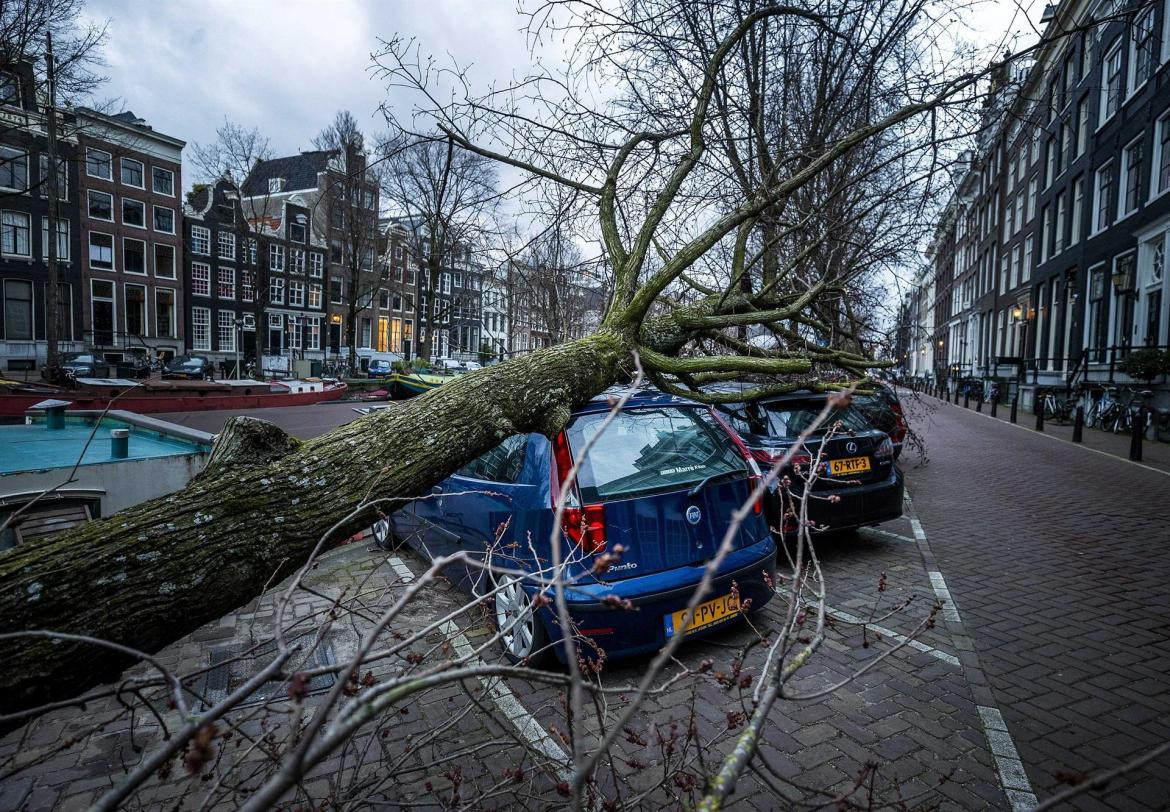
<point>659,484</point>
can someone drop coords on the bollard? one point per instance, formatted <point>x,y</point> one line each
<point>956,396</point>
<point>1038,406</point>
<point>119,443</point>
<point>979,403</point>
<point>994,404</point>
<point>967,400</point>
<point>1135,437</point>
<point>1015,406</point>
<point>1079,425</point>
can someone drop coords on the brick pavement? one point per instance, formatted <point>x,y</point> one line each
<point>1057,558</point>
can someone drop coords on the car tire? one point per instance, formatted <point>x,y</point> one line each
<point>526,641</point>
<point>384,536</point>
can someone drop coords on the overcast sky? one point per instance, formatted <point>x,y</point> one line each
<point>287,65</point>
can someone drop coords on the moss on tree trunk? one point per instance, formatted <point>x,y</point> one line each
<point>159,570</point>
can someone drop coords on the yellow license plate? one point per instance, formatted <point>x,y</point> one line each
<point>851,465</point>
<point>706,614</point>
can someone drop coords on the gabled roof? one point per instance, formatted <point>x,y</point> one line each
<point>299,172</point>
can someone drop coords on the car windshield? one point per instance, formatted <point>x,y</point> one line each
<point>649,450</point>
<point>789,418</point>
<point>79,359</point>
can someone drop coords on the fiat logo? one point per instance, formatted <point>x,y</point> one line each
<point>694,514</point>
<point>851,447</point>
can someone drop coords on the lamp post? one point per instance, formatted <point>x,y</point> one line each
<point>239,341</point>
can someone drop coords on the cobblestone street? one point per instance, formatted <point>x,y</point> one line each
<point>1048,660</point>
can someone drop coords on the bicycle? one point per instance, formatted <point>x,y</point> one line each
<point>1123,417</point>
<point>1055,408</point>
<point>1104,409</point>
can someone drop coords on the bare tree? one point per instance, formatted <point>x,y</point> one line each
<point>445,196</point>
<point>230,157</point>
<point>349,207</point>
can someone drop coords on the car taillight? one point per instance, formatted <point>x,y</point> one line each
<point>584,526</point>
<point>754,476</point>
<point>885,449</point>
<point>899,433</point>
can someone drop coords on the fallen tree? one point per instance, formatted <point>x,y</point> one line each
<point>151,574</point>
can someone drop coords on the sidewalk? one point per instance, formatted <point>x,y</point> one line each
<point>1154,454</point>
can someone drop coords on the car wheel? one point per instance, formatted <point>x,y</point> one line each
<point>383,533</point>
<point>523,636</point>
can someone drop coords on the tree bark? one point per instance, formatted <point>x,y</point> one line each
<point>155,572</point>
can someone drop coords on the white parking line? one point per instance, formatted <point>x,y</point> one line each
<point>949,610</point>
<point>846,617</point>
<point>525,723</point>
<point>888,534</point>
<point>1015,781</point>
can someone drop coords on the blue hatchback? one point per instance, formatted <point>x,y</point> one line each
<point>661,481</point>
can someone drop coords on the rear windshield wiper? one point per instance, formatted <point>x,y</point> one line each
<point>707,480</point>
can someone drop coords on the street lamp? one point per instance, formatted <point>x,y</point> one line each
<point>239,341</point>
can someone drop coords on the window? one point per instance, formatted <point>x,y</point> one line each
<point>62,177</point>
<point>315,296</point>
<point>276,290</point>
<point>294,332</point>
<point>132,173</point>
<point>1112,82</point>
<point>1160,181</point>
<point>1082,125</point>
<point>314,323</point>
<point>227,331</point>
<point>13,169</point>
<point>1131,168</point>
<point>298,261</point>
<point>1032,189</point>
<point>164,312</point>
<point>18,309</point>
<point>445,283</point>
<point>1026,267</point>
<point>1078,210</point>
<point>459,280</point>
<point>276,257</point>
<point>384,299</point>
<point>101,206</point>
<point>252,250</point>
<point>1141,49</point>
<point>164,220</point>
<point>408,302</point>
<point>62,239</point>
<point>133,256</point>
<point>1104,195</point>
<point>200,240</point>
<point>227,246</point>
<point>101,251</point>
<point>275,185</point>
<point>135,309</point>
<point>163,181</point>
<point>133,213</point>
<point>200,328</point>
<point>296,294</point>
<point>336,291</point>
<point>1060,226</point>
<point>297,230</point>
<point>164,261</point>
<point>10,89</point>
<point>335,251</point>
<point>316,264</point>
<point>225,286</point>
<point>99,164</point>
<point>1051,167</point>
<point>247,288</point>
<point>200,279</point>
<point>1098,313</point>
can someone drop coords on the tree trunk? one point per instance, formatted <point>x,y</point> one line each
<point>159,570</point>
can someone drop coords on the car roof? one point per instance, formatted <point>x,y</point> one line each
<point>638,397</point>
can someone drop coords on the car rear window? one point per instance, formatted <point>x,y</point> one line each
<point>650,450</point>
<point>789,418</point>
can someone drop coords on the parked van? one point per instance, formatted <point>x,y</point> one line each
<point>365,355</point>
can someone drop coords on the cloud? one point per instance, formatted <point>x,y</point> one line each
<point>284,66</point>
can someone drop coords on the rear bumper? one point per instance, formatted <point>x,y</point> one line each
<point>625,632</point>
<point>859,506</point>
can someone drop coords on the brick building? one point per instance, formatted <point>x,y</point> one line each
<point>130,226</point>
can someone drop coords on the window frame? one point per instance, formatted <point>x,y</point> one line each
<point>109,162</point>
<point>174,260</point>
<point>141,173</point>
<point>113,254</point>
<point>155,209</point>
<point>125,222</point>
<point>125,266</point>
<point>203,278</point>
<point>154,186</point>
<point>89,193</point>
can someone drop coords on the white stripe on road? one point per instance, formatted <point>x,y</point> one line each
<point>525,723</point>
<point>1011,771</point>
<point>846,617</point>
<point>888,534</point>
<point>949,610</point>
